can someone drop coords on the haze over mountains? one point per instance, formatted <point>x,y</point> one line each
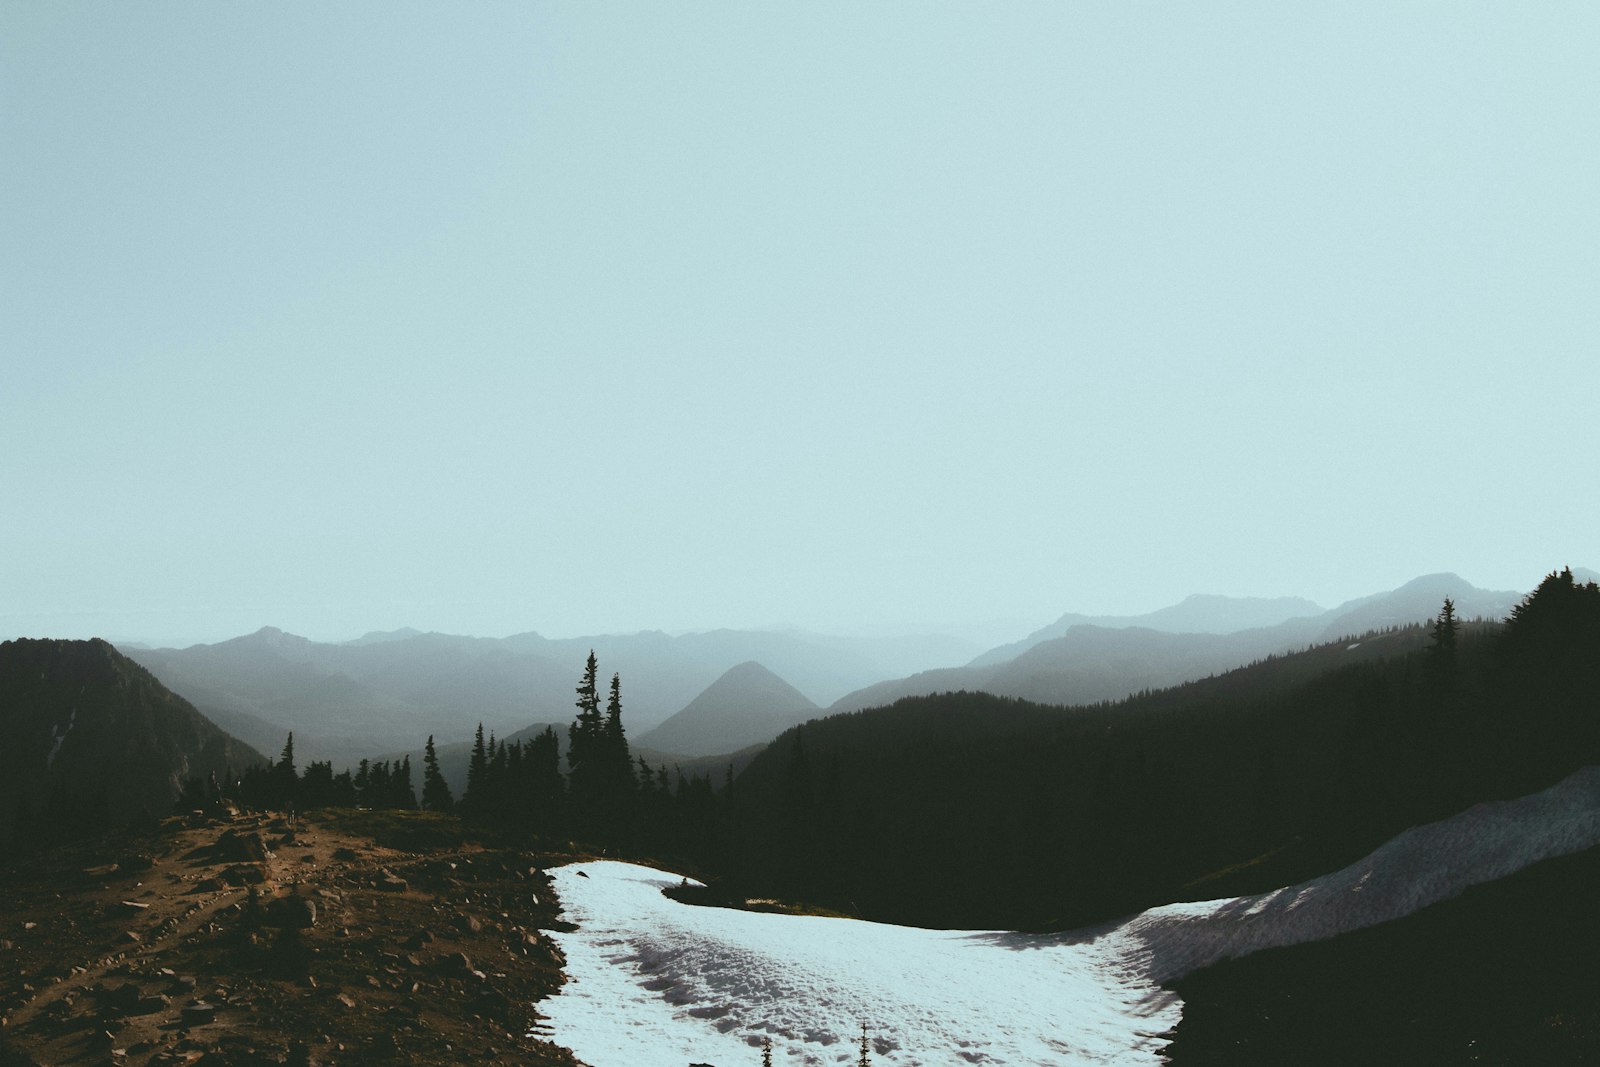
<point>387,691</point>
<point>1082,659</point>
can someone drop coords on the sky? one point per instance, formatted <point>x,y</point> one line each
<point>587,318</point>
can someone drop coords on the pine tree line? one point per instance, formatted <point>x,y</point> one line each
<point>607,798</point>
<point>280,786</point>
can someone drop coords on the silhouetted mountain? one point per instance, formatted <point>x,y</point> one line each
<point>746,706</point>
<point>93,740</point>
<point>1086,663</point>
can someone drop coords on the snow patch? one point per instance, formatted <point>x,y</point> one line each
<point>654,981</point>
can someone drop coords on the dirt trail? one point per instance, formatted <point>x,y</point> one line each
<point>248,939</point>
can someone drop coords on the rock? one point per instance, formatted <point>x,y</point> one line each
<point>391,883</point>
<point>125,999</point>
<point>245,847</point>
<point>469,923</point>
<point>347,1000</point>
<point>419,939</point>
<point>198,1013</point>
<point>244,874</point>
<point>294,911</point>
<point>150,1004</point>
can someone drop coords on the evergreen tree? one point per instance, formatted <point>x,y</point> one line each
<point>283,778</point>
<point>585,733</point>
<point>1445,629</point>
<point>865,1060</point>
<point>403,792</point>
<point>546,788</point>
<point>619,767</point>
<point>766,1052</point>
<point>435,790</point>
<point>586,736</point>
<point>477,769</point>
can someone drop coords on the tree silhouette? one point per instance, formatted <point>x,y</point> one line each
<point>472,801</point>
<point>1445,629</point>
<point>435,791</point>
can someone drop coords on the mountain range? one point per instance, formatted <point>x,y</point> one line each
<point>1073,661</point>
<point>387,691</point>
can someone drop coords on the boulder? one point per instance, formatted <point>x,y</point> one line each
<point>235,847</point>
<point>292,911</point>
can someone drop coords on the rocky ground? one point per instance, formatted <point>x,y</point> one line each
<point>250,939</point>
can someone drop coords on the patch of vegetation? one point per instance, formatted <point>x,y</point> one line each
<point>406,831</point>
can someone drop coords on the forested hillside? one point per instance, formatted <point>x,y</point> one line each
<point>1251,780</point>
<point>93,741</point>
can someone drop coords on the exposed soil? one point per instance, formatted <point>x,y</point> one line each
<point>245,939</point>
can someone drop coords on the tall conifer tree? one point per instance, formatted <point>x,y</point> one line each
<point>435,790</point>
<point>586,752</point>
<point>477,766</point>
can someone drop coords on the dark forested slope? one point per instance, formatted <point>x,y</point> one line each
<point>1503,974</point>
<point>93,740</point>
<point>972,810</point>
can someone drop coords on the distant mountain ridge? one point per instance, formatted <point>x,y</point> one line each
<point>388,691</point>
<point>1088,663</point>
<point>746,706</point>
<point>93,737</point>
<point>1199,613</point>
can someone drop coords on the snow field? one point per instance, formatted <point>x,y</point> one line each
<point>656,983</point>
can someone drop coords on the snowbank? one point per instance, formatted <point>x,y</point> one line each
<point>656,982</point>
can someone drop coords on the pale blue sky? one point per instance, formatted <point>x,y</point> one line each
<point>585,317</point>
